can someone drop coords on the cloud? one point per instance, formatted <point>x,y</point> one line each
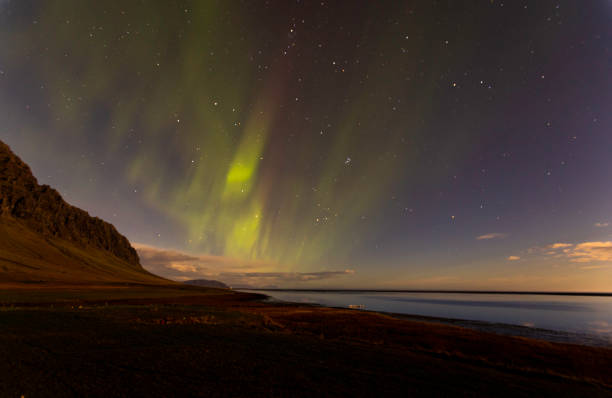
<point>179,266</point>
<point>513,258</point>
<point>263,279</point>
<point>183,267</point>
<point>493,235</point>
<point>559,245</point>
<point>585,252</point>
<point>591,251</point>
<point>298,275</point>
<point>152,255</point>
<point>601,224</point>
<point>594,266</point>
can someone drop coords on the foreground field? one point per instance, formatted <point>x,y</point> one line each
<point>151,341</point>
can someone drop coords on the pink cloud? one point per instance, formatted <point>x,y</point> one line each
<point>493,235</point>
<point>179,266</point>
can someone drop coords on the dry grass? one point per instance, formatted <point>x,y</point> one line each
<point>28,258</point>
<point>196,341</point>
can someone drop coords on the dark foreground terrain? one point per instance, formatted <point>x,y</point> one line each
<point>150,341</point>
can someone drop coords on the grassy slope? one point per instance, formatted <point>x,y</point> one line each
<point>27,257</point>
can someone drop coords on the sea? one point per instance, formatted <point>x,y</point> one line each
<point>581,319</point>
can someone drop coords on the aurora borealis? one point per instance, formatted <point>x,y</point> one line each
<point>362,144</point>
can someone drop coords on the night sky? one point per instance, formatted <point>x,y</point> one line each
<point>398,144</point>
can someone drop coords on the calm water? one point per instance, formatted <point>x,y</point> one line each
<point>579,317</point>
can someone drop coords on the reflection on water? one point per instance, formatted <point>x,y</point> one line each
<point>586,316</point>
<point>546,305</point>
<point>600,327</point>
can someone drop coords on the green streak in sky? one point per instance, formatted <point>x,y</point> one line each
<point>205,113</point>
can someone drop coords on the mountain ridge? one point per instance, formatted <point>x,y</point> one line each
<point>43,238</point>
<point>43,209</point>
<point>206,283</point>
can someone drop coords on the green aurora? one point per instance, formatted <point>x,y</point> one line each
<point>309,135</point>
<point>221,149</point>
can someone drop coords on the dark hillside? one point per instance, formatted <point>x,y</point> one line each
<point>44,239</point>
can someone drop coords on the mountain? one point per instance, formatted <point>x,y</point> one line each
<point>44,239</point>
<point>207,283</point>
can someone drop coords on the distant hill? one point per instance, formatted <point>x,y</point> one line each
<point>44,239</point>
<point>207,283</point>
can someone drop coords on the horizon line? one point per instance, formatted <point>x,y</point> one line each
<point>517,292</point>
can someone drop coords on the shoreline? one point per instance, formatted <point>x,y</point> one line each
<point>499,292</point>
<point>502,328</point>
<point>241,344</point>
<point>65,294</point>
